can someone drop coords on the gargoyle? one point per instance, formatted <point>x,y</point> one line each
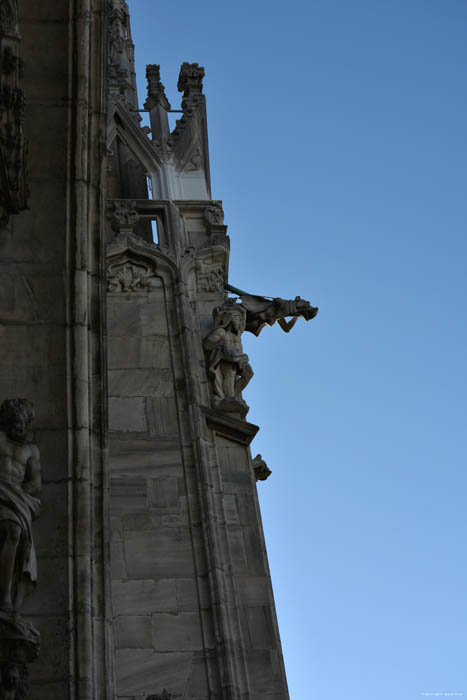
<point>262,311</point>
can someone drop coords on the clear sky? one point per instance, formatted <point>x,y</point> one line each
<point>338,146</point>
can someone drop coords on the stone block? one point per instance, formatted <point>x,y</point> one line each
<point>36,240</point>
<point>236,482</point>
<point>176,632</point>
<point>253,590</point>
<point>164,493</point>
<point>141,382</point>
<point>198,682</point>
<point>237,551</point>
<point>246,504</point>
<point>255,552</point>
<point>117,561</point>
<point>116,530</point>
<point>230,509</point>
<point>50,597</point>
<point>127,415</point>
<point>45,389</point>
<point>143,672</point>
<point>53,446</point>
<point>47,71</point>
<point>143,597</point>
<point>130,352</point>
<point>52,10</point>
<point>153,318</point>
<point>31,293</point>
<point>47,125</point>
<point>258,627</point>
<point>163,416</point>
<point>133,632</point>
<point>55,649</point>
<point>127,496</point>
<point>122,319</point>
<point>51,528</point>
<point>187,595</point>
<point>161,553</point>
<point>264,673</point>
<point>147,458</point>
<point>49,691</point>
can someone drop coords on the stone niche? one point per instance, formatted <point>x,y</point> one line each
<point>156,596</point>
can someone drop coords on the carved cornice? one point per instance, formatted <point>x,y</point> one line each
<point>233,428</point>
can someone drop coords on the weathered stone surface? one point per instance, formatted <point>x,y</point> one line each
<point>144,596</point>
<point>253,590</point>
<point>127,415</point>
<point>133,632</point>
<point>141,382</point>
<point>164,493</point>
<point>139,352</point>
<point>140,671</point>
<point>258,627</point>
<point>128,496</point>
<point>177,632</point>
<point>162,552</point>
<point>145,458</point>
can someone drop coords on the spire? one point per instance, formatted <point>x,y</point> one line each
<point>157,104</point>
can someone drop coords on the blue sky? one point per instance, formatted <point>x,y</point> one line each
<point>338,146</point>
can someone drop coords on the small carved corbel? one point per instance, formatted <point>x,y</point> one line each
<point>261,469</point>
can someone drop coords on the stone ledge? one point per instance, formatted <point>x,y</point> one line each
<point>233,428</point>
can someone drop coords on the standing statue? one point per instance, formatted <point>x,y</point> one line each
<point>20,484</point>
<point>228,366</point>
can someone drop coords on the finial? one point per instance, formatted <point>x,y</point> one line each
<point>190,80</point>
<point>156,94</point>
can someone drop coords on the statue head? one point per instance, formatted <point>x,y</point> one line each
<point>230,316</point>
<point>16,416</point>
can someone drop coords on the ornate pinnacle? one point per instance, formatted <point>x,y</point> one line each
<point>156,94</point>
<point>190,80</point>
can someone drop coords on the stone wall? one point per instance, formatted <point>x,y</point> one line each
<point>50,332</point>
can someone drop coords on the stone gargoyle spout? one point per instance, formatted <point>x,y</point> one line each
<point>262,311</point>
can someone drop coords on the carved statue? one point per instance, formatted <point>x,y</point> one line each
<point>228,366</point>
<point>214,214</point>
<point>261,311</point>
<point>20,484</point>
<point>13,682</point>
<point>261,469</point>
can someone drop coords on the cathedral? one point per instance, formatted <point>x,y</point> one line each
<point>132,557</point>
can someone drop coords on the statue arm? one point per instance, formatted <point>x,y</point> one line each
<point>33,478</point>
<point>215,339</point>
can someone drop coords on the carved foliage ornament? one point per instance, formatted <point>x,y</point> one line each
<point>13,189</point>
<point>130,277</point>
<point>124,214</point>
